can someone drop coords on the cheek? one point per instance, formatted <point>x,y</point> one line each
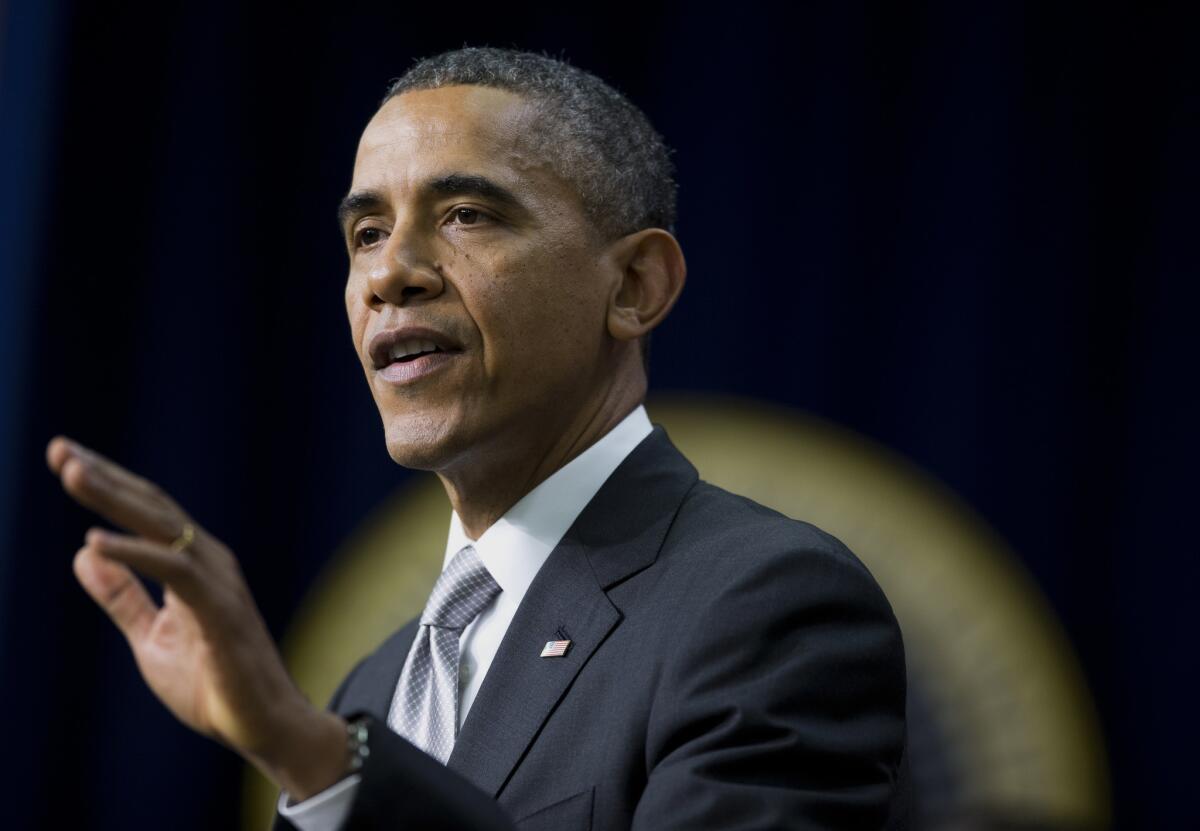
<point>545,316</point>
<point>357,314</point>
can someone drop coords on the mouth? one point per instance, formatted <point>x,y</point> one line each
<point>411,350</point>
<point>412,367</point>
<point>403,355</point>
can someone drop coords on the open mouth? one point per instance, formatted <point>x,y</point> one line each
<point>409,350</point>
<point>404,354</point>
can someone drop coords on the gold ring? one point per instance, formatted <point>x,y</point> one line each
<point>184,539</point>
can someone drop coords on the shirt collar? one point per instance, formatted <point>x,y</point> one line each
<point>514,548</point>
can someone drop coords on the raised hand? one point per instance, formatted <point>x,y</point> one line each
<point>206,652</point>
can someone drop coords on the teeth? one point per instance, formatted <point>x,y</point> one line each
<point>410,346</point>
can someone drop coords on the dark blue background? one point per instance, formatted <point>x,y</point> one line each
<point>967,231</point>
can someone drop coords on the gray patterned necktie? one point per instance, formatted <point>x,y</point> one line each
<point>425,706</point>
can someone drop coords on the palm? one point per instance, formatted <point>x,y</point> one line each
<point>177,665</point>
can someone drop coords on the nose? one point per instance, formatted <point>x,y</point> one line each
<point>404,271</point>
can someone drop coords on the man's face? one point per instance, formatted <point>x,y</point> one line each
<point>460,237</point>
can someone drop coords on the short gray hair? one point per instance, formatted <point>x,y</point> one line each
<point>592,135</point>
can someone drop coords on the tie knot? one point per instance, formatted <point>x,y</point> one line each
<point>460,593</point>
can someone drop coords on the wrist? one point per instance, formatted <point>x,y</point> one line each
<point>314,757</point>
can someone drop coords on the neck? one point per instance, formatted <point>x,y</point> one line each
<point>483,488</point>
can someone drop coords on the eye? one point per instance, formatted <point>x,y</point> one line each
<point>466,216</point>
<point>366,237</point>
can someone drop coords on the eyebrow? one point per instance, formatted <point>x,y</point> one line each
<point>358,203</point>
<point>467,184</point>
<point>361,202</point>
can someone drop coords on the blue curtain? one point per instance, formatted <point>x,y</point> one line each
<point>965,230</point>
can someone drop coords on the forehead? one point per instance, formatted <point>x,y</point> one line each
<point>449,129</point>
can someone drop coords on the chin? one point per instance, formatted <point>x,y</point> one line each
<point>421,443</point>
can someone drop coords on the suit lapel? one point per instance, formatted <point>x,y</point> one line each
<point>618,534</point>
<point>373,684</point>
<point>521,688</point>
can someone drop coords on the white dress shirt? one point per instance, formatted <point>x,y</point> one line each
<point>513,549</point>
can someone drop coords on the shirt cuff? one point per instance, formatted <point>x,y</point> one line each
<point>325,811</point>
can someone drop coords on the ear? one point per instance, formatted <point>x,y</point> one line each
<point>652,272</point>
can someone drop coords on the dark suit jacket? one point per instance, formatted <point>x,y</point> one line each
<point>729,668</point>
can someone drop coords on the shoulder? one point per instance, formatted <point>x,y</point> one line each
<point>713,512</point>
<point>782,665</point>
<point>756,594</point>
<point>721,542</point>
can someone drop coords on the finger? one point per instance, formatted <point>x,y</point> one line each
<point>61,448</point>
<point>177,569</point>
<point>128,501</point>
<point>117,591</point>
<point>57,451</point>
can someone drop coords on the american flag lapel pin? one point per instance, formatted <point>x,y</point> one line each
<point>555,649</point>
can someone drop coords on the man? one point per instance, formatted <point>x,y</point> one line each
<point>612,643</point>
